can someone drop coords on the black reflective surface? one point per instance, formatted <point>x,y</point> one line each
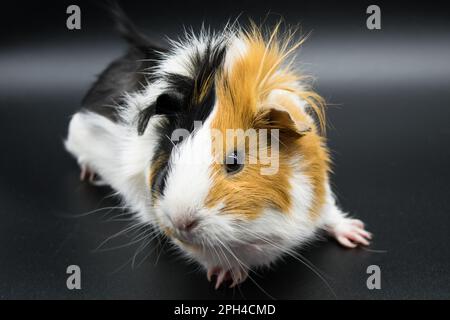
<point>389,134</point>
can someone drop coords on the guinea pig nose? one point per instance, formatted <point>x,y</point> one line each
<point>187,224</point>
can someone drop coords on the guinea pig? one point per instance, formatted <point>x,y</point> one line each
<point>160,127</point>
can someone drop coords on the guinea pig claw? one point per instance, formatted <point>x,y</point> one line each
<point>84,172</point>
<point>91,176</point>
<point>211,272</point>
<point>221,277</point>
<point>241,276</point>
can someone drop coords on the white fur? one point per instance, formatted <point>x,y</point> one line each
<point>237,50</point>
<point>116,153</point>
<point>189,179</point>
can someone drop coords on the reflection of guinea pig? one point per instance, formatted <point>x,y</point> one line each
<point>223,211</point>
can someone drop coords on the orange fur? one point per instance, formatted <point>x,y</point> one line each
<point>242,96</point>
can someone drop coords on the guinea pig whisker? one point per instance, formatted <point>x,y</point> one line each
<point>261,288</point>
<point>245,267</point>
<point>164,242</point>
<point>238,260</point>
<point>114,219</point>
<point>136,232</point>
<point>120,267</point>
<point>297,256</point>
<point>149,253</point>
<point>123,214</point>
<point>224,256</point>
<point>269,242</point>
<point>128,229</point>
<point>249,270</point>
<point>173,143</point>
<point>213,247</point>
<point>81,215</point>
<point>139,239</point>
<point>128,261</point>
<point>138,251</point>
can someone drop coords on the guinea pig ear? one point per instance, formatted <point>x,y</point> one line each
<point>167,104</point>
<point>274,118</point>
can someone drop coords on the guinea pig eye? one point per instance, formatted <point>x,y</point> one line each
<point>234,162</point>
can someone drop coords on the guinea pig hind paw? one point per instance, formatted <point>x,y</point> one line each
<point>87,174</point>
<point>351,232</point>
<point>235,276</point>
<point>224,275</point>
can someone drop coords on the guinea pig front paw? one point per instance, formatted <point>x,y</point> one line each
<point>233,275</point>
<point>351,232</point>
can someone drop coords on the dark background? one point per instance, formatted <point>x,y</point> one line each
<point>389,133</point>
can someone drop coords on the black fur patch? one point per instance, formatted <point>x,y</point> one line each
<point>187,107</point>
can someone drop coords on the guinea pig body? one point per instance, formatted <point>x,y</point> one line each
<point>157,128</point>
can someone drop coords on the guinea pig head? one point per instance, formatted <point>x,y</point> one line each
<point>254,169</point>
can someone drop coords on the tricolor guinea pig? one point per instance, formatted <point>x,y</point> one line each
<point>215,141</point>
